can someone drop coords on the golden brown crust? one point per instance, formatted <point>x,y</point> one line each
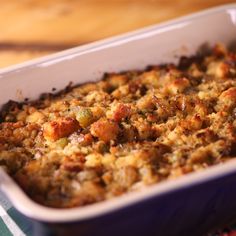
<point>60,128</point>
<point>99,140</point>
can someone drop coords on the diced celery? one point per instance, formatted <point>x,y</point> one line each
<point>84,116</point>
<point>62,142</point>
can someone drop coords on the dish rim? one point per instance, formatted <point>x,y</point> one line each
<point>104,43</point>
<point>46,214</point>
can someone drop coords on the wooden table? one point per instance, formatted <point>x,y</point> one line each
<point>32,28</point>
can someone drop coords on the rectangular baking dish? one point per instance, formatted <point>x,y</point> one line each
<point>190,205</point>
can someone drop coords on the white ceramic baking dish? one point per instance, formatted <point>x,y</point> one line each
<point>187,206</point>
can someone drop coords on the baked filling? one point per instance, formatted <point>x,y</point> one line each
<point>99,140</point>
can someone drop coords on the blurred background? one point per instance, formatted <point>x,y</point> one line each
<point>33,28</point>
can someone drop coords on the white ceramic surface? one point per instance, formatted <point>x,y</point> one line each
<point>153,45</point>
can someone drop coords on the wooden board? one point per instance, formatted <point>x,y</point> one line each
<point>32,28</point>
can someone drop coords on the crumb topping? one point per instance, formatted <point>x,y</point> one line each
<point>99,140</point>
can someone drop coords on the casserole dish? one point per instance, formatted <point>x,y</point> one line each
<point>181,204</point>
